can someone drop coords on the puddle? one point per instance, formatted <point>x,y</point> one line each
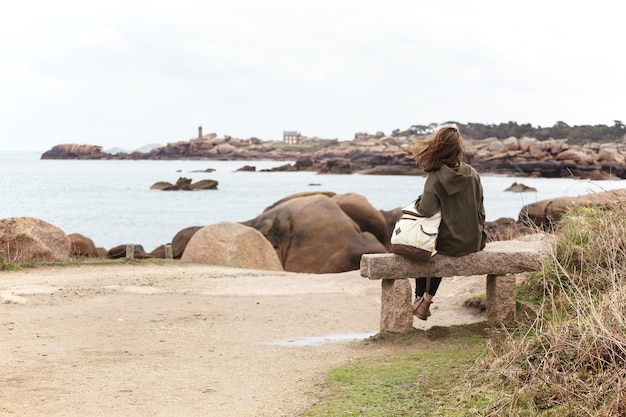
<point>319,340</point>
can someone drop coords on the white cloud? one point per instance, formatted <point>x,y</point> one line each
<point>130,72</point>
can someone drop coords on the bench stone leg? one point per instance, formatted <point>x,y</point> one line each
<point>396,314</point>
<point>500,298</point>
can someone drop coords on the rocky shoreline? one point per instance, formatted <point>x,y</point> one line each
<point>384,155</point>
<point>311,232</point>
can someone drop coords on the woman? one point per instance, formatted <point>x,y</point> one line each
<point>454,188</point>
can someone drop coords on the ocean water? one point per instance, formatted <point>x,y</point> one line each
<point>111,201</point>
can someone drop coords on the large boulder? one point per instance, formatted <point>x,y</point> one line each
<point>181,239</point>
<point>609,152</point>
<point>545,213</point>
<point>575,155</point>
<point>369,219</point>
<point>225,148</point>
<point>309,230</point>
<point>231,244</point>
<point>349,257</point>
<point>30,239</point>
<point>391,217</point>
<point>164,186</point>
<point>298,195</point>
<point>179,243</point>
<point>82,246</point>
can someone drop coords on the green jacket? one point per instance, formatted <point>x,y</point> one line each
<point>458,193</point>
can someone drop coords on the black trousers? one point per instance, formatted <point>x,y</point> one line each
<point>420,286</point>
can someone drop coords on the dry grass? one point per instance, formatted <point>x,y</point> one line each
<point>567,357</point>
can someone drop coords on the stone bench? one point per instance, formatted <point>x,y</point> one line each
<point>498,261</point>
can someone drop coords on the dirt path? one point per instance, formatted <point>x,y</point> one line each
<point>186,339</point>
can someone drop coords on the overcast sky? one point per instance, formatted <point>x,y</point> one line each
<point>128,73</point>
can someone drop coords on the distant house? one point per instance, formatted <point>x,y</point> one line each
<point>291,136</point>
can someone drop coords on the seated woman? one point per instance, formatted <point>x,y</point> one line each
<point>454,188</point>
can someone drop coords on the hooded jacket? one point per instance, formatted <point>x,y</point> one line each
<point>458,193</point>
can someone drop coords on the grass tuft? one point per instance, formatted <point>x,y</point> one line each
<point>567,356</point>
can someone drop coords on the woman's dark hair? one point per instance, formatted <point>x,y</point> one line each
<point>442,148</point>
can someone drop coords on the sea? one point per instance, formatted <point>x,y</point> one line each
<point>111,201</point>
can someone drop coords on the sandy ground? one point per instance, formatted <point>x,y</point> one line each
<point>178,339</point>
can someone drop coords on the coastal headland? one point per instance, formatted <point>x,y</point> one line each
<point>381,154</point>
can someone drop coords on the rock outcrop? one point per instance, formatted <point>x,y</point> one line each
<point>545,213</point>
<point>521,188</point>
<point>30,239</point>
<point>185,184</point>
<point>369,219</point>
<point>311,233</point>
<point>75,151</point>
<point>383,155</point>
